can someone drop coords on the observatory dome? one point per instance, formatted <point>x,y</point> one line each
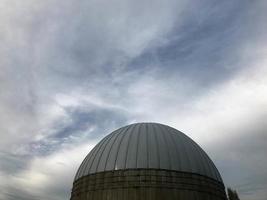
<point>147,157</point>
<point>148,145</point>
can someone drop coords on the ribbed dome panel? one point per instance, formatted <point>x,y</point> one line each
<point>149,146</point>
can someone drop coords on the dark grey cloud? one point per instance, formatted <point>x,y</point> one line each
<point>83,125</point>
<point>15,193</point>
<point>242,162</point>
<point>204,45</point>
<point>13,163</point>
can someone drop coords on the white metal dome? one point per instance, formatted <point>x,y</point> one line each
<point>148,146</point>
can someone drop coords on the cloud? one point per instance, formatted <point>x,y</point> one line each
<point>71,72</point>
<point>47,177</point>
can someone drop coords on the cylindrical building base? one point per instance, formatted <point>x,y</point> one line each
<point>147,184</point>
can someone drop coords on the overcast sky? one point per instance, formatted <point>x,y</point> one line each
<point>72,71</point>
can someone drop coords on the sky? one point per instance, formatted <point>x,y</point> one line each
<point>72,71</point>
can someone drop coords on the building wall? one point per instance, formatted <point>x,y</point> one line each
<point>147,184</point>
